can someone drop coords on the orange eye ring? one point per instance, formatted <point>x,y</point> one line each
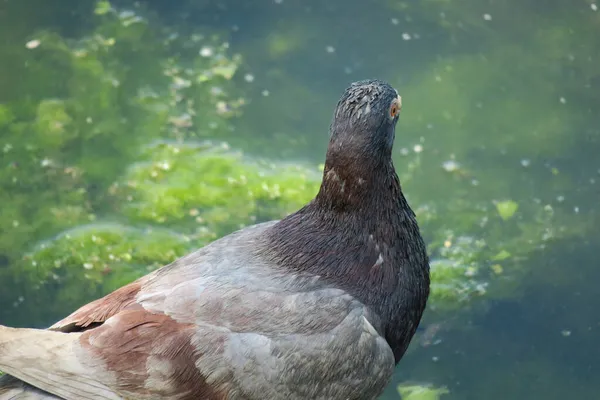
<point>394,109</point>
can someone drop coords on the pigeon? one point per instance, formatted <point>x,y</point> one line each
<point>321,304</point>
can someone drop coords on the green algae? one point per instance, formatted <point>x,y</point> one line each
<point>421,392</point>
<point>210,188</point>
<point>80,111</point>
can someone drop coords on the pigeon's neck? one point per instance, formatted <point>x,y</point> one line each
<point>351,184</point>
<point>359,234</point>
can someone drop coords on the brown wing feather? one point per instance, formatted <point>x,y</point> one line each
<point>151,354</point>
<point>98,311</point>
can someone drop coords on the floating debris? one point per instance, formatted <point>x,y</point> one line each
<point>421,392</point>
<point>222,107</point>
<point>507,209</point>
<point>102,7</point>
<point>32,44</point>
<point>182,121</point>
<point>216,91</point>
<point>206,51</point>
<point>497,269</point>
<point>164,165</point>
<point>450,165</point>
<point>180,83</point>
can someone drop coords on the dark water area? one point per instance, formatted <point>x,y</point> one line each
<point>497,148</point>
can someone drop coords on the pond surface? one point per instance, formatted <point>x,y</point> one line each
<point>497,147</point>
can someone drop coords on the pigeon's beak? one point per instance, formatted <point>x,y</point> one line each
<point>400,102</point>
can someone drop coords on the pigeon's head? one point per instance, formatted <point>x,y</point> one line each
<point>364,122</point>
<point>358,166</point>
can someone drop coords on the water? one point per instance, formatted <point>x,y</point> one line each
<point>496,148</point>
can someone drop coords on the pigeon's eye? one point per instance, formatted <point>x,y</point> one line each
<point>395,108</point>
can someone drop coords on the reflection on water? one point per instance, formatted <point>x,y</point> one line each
<point>497,149</point>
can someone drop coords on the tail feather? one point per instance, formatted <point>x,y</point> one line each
<point>49,361</point>
<point>13,389</point>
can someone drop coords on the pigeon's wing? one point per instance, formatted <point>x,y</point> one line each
<point>217,324</point>
<point>135,354</point>
<point>113,347</point>
<point>200,262</point>
<point>98,311</point>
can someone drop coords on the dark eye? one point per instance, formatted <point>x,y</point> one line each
<point>394,109</point>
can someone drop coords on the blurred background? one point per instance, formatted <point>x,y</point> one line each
<point>132,132</point>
